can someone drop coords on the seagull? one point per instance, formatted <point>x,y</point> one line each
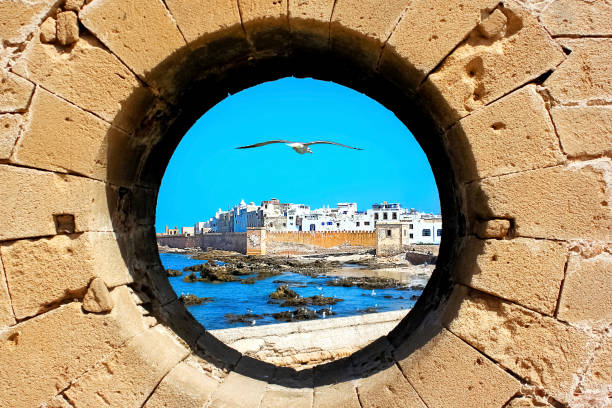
<point>300,148</point>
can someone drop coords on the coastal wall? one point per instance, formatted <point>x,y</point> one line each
<point>304,344</point>
<point>511,102</point>
<point>226,241</point>
<point>324,239</point>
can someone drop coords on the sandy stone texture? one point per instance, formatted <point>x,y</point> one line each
<point>90,77</point>
<point>9,131</point>
<point>525,271</point>
<point>141,33</point>
<point>509,135</point>
<point>388,388</point>
<point>533,198</point>
<point>199,20</point>
<point>578,17</point>
<point>67,27</point>
<point>469,378</point>
<point>427,32</point>
<point>15,92</point>
<point>341,394</point>
<point>128,377</point>
<point>20,18</point>
<point>584,77</point>
<point>187,385</point>
<point>586,297</point>
<point>483,69</point>
<point>6,310</point>
<point>584,131</point>
<point>51,362</point>
<point>45,271</point>
<point>540,349</point>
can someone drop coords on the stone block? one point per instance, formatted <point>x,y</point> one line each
<point>54,349</point>
<point>469,378</point>
<point>91,78</point>
<point>6,310</point>
<point>360,28</point>
<point>585,298</point>
<point>9,131</point>
<point>48,31</point>
<point>525,271</point>
<point>203,20</point>
<point>483,69</point>
<point>127,378</point>
<point>533,198</point>
<point>578,17</point>
<point>20,18</point>
<point>540,349</point>
<point>141,33</point>
<point>309,22</point>
<point>388,388</point>
<point>186,386</point>
<point>584,77</point>
<point>509,135</point>
<point>226,395</point>
<point>97,299</point>
<point>341,394</point>
<point>15,92</point>
<point>282,397</point>
<point>427,32</point>
<point>492,228</point>
<point>44,272</point>
<point>67,27</point>
<point>584,131</point>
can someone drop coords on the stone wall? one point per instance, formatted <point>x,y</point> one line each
<point>324,239</point>
<point>510,101</point>
<point>226,241</point>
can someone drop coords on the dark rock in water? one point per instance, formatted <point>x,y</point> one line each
<point>248,281</point>
<point>370,309</point>
<point>191,278</point>
<point>311,301</point>
<point>414,297</point>
<point>301,313</point>
<point>174,272</point>
<point>243,318</point>
<point>190,300</point>
<point>284,293</point>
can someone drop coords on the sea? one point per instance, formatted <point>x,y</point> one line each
<point>236,298</point>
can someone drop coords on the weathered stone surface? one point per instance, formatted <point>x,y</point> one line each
<point>585,298</point>
<point>97,299</point>
<point>578,17</point>
<point>532,199</point>
<point>525,271</point>
<point>584,131</point>
<point>311,18</point>
<point>282,397</point>
<point>67,27</point>
<point>470,379</point>
<point>74,5</point>
<point>584,77</point>
<point>48,31</point>
<point>20,18</point>
<point>540,349</point>
<point>388,388</point>
<point>91,78</point>
<point>510,135</point>
<point>9,131</point>
<point>427,32</point>
<point>142,34</point>
<point>46,271</point>
<point>492,228</point>
<point>15,92</point>
<point>483,69</point>
<point>342,394</point>
<point>6,310</point>
<point>187,385</point>
<point>375,22</point>
<point>51,362</point>
<point>128,377</point>
<point>201,20</point>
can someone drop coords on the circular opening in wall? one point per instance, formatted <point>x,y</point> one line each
<point>298,209</point>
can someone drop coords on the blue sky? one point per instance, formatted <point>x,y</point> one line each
<point>206,172</point>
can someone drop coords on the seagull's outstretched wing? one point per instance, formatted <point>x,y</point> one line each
<point>331,143</point>
<point>263,144</point>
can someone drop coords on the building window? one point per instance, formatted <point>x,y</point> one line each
<point>375,216</point>
<point>411,226</point>
<point>394,216</point>
<point>385,216</point>
<point>388,232</point>
<point>427,232</point>
<point>411,236</point>
<point>357,223</point>
<point>439,232</point>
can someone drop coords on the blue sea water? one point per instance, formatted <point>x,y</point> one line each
<point>236,298</point>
